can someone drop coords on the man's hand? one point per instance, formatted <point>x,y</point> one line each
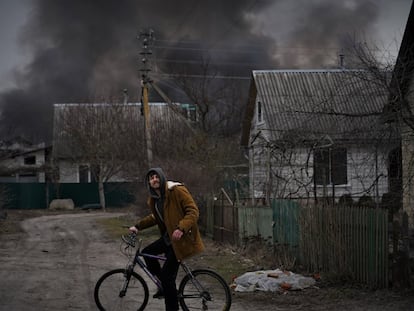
<point>177,234</point>
<point>133,229</point>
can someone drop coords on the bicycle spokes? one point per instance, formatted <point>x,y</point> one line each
<point>205,290</point>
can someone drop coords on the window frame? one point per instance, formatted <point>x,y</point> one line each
<point>336,163</point>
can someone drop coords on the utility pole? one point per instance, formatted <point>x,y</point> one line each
<point>146,36</point>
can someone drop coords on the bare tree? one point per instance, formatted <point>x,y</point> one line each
<point>219,99</point>
<point>398,113</point>
<point>106,137</point>
<point>213,142</point>
<point>390,74</point>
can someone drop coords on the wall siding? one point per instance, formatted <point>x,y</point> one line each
<point>366,173</point>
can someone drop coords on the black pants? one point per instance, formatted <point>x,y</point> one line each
<point>167,274</point>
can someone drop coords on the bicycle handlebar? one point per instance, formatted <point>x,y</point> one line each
<point>129,239</point>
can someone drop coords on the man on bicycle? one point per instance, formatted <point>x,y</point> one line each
<point>176,214</point>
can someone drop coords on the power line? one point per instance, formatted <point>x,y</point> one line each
<point>238,50</point>
<point>195,62</point>
<point>174,75</point>
<point>247,49</point>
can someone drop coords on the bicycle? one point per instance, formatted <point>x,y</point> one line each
<point>125,289</point>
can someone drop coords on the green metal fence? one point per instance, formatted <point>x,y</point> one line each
<point>39,195</point>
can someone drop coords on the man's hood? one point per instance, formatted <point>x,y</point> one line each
<point>160,173</point>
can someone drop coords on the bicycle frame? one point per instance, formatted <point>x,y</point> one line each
<point>196,284</point>
<point>138,261</point>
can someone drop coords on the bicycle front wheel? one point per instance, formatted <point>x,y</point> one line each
<point>115,292</point>
<point>204,290</point>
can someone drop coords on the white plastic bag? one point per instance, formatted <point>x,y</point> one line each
<point>271,280</point>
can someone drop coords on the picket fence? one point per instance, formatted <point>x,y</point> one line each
<point>349,242</point>
<point>345,241</point>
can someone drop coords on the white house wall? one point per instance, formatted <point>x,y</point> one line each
<point>69,173</point>
<point>367,174</point>
<point>368,171</point>
<point>17,163</point>
<point>292,174</point>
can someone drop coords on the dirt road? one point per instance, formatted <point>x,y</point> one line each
<point>55,263</point>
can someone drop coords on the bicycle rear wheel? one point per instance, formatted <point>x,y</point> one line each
<point>110,293</point>
<point>206,290</point>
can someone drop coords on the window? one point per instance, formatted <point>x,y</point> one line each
<point>259,112</point>
<point>330,167</point>
<point>83,174</point>
<point>31,160</point>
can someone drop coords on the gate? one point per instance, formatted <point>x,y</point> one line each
<point>225,219</point>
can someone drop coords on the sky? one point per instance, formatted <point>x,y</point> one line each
<point>67,51</point>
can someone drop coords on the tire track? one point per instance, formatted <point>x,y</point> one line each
<point>51,265</point>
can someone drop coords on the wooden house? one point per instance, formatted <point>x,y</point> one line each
<point>316,135</point>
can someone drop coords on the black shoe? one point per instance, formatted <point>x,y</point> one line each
<point>158,295</point>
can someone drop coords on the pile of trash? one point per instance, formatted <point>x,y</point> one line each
<point>271,280</point>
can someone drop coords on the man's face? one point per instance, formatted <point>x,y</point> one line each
<point>154,181</point>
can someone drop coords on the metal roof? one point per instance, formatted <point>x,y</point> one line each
<point>98,117</point>
<point>342,103</point>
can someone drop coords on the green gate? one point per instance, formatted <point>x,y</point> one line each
<point>286,225</point>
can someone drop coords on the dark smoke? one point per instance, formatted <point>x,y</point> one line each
<point>338,26</point>
<point>84,49</point>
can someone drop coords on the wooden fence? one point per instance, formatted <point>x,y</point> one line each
<point>346,241</point>
<point>219,219</point>
<point>350,242</point>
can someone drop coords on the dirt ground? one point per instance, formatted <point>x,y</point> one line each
<point>52,260</point>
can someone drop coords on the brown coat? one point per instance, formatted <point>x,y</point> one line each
<point>180,211</point>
